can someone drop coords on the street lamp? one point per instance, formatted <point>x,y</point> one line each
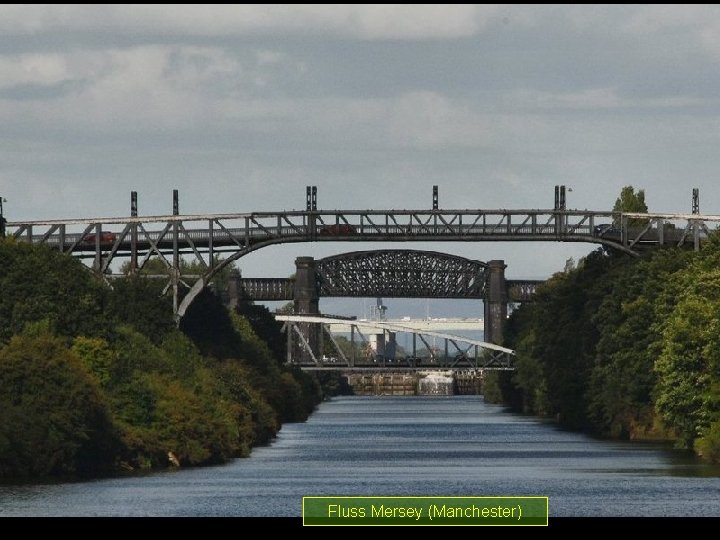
<point>2,218</point>
<point>560,196</point>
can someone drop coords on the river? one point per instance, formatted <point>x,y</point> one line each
<point>403,446</point>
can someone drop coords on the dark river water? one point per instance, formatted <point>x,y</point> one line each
<point>403,446</point>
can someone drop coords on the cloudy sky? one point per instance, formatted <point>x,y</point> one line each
<point>241,107</point>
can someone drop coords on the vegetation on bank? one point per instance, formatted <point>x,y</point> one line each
<point>623,347</point>
<point>96,379</point>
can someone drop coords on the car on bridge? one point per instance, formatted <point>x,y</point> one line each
<point>106,237</point>
<point>607,230</point>
<point>339,229</point>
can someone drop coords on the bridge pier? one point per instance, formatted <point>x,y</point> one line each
<point>495,302</point>
<point>307,302</point>
<point>234,289</point>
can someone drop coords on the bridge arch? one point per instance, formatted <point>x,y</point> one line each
<point>212,271</point>
<point>402,273</point>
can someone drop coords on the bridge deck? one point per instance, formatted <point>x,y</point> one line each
<point>241,231</point>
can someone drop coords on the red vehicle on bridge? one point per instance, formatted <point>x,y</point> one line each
<point>339,229</point>
<point>106,237</point>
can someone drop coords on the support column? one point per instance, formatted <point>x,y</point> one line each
<point>696,210</point>
<point>307,302</point>
<point>175,272</point>
<point>495,302</point>
<point>97,266</point>
<point>3,221</point>
<point>234,289</point>
<point>133,233</point>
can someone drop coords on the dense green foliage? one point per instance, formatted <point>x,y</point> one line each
<point>37,285</point>
<point>631,201</point>
<point>52,416</point>
<point>96,379</point>
<point>624,347</point>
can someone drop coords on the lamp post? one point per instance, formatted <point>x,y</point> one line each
<point>2,218</point>
<point>565,190</point>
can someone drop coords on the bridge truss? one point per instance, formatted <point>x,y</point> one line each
<point>391,274</point>
<point>169,238</point>
<point>401,273</point>
<point>468,353</point>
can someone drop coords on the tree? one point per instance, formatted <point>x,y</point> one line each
<point>53,419</point>
<point>688,364</point>
<point>688,367</point>
<point>97,356</point>
<point>265,327</point>
<point>236,379</point>
<point>207,323</point>
<point>40,284</point>
<point>632,202</point>
<point>138,302</point>
<point>629,322</point>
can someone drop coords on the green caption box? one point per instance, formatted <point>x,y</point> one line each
<point>425,510</point>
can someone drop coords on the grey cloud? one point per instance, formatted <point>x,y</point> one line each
<point>33,91</point>
<point>353,21</point>
<point>240,108</point>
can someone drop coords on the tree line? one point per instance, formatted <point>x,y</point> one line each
<point>95,379</point>
<point>623,347</point>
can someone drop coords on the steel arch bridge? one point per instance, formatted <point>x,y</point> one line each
<point>204,236</point>
<point>400,273</point>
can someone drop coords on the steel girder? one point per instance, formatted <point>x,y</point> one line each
<point>400,274</point>
<point>278,289</point>
<point>267,289</point>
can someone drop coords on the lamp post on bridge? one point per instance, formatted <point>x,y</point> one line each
<point>2,218</point>
<point>560,207</point>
